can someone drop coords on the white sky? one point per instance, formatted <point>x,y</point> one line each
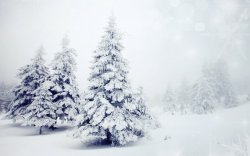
<point>165,40</point>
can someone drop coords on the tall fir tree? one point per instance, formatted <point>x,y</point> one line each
<point>112,112</point>
<point>64,88</point>
<point>32,76</point>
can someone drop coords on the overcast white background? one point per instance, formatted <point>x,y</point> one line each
<point>165,40</point>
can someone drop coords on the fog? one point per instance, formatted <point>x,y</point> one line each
<point>165,41</point>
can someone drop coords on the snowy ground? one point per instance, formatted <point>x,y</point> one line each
<point>189,135</point>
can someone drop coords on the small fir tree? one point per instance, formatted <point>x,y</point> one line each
<point>204,98</point>
<point>223,87</point>
<point>184,97</point>
<point>42,111</point>
<point>169,101</point>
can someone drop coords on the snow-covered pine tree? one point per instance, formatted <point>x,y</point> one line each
<point>64,87</point>
<point>42,111</point>
<point>169,101</point>
<point>32,76</point>
<point>112,113</point>
<point>204,98</point>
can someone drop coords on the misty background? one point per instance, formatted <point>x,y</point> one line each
<point>166,41</point>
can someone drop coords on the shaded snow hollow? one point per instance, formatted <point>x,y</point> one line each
<point>179,135</point>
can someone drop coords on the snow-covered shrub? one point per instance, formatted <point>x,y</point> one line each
<point>239,147</point>
<point>111,111</point>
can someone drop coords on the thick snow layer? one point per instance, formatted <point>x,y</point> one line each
<point>178,135</point>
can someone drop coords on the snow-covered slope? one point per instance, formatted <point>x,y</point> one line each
<point>202,134</point>
<point>183,135</point>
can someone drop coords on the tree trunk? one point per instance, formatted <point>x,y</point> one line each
<point>40,130</point>
<point>109,140</point>
<point>52,127</point>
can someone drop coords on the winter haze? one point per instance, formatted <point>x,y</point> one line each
<point>190,57</point>
<point>165,41</point>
